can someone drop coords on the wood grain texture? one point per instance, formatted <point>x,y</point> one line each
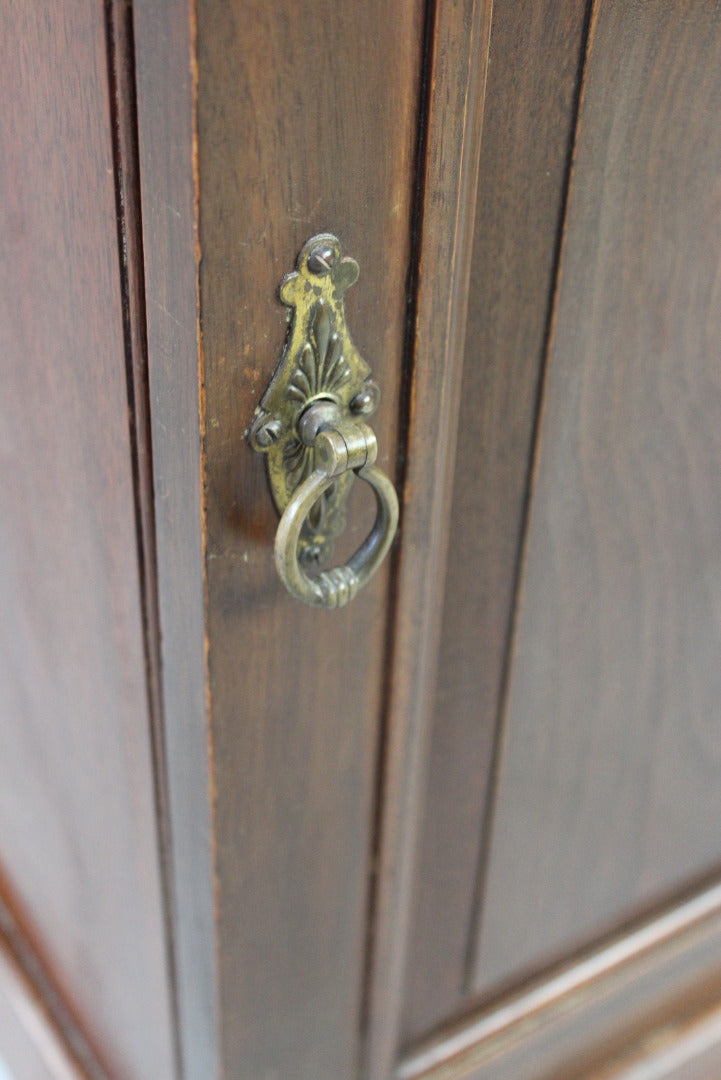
<point>121,59</point>
<point>687,1047</point>
<point>35,1012</point>
<point>30,1044</point>
<point>609,795</point>
<point>165,63</point>
<point>78,839</point>
<point>625,1003</point>
<point>528,121</point>
<point>457,48</point>
<point>306,123</point>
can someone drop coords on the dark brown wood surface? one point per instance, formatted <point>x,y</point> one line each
<point>645,997</point>
<point>281,795</point>
<point>687,1047</point>
<point>609,796</point>
<point>534,62</point>
<point>78,838</point>
<point>123,116</point>
<point>307,120</point>
<point>31,1045</point>
<point>39,1038</point>
<point>35,1020</point>
<point>452,103</point>
<point>165,78</point>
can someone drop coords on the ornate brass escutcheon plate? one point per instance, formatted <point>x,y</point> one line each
<point>320,372</point>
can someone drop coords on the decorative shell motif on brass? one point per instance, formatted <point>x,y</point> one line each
<point>319,363</point>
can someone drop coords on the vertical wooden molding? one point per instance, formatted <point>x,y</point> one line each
<point>78,816</point>
<point>456,81</point>
<point>166,94</point>
<point>529,110</point>
<point>123,108</point>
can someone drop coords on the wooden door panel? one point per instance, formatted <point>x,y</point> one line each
<point>269,760</point>
<point>643,998</point>
<point>164,75</point>
<point>451,105</point>
<point>78,837</point>
<point>608,796</point>
<point>306,122</point>
<point>534,65</point>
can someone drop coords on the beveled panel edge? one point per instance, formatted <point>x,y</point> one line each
<point>26,1021</point>
<point>691,1042</point>
<point>448,156</point>
<point>524,1025</point>
<point>166,86</point>
<point>535,56</point>
<point>123,95</point>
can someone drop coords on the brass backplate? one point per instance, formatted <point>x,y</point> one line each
<point>319,363</point>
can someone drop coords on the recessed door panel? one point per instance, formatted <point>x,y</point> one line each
<point>608,793</point>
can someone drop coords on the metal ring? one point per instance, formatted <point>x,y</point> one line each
<point>337,587</point>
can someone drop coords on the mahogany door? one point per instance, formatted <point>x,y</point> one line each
<point>466,825</point>
<point>573,779</point>
<point>82,914</point>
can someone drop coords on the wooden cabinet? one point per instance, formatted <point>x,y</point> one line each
<point>465,827</point>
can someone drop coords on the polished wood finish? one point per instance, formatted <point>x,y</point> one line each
<point>212,799</point>
<point>164,37</point>
<point>123,117</point>
<point>32,1047</point>
<point>306,122</point>
<point>685,1048</point>
<point>534,64</point>
<point>456,56</point>
<point>120,34</point>
<point>39,1037</point>
<point>609,796</point>
<point>77,811</point>
<point>598,1009</point>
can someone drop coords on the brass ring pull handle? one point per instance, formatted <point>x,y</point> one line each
<point>337,449</point>
<point>311,426</point>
